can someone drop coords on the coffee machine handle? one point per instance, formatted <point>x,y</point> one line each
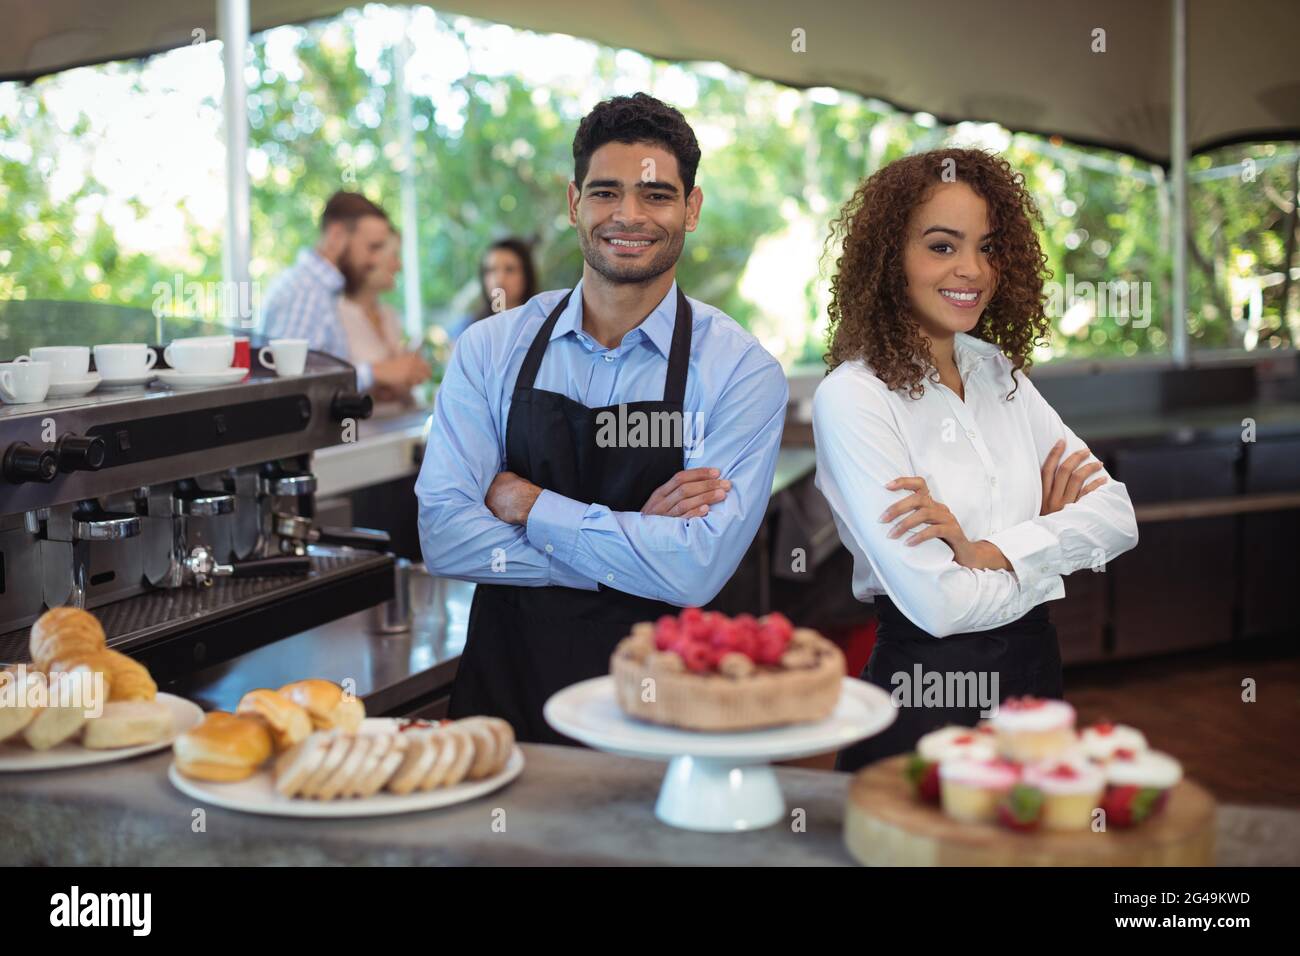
<point>270,567</point>
<point>370,539</point>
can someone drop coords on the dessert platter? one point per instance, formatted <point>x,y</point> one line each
<point>1026,788</point>
<point>308,750</point>
<point>79,702</point>
<point>720,699</point>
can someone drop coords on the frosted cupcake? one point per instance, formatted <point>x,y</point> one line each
<point>1072,788</point>
<point>946,743</point>
<point>1103,740</point>
<point>971,789</point>
<point>1138,786</point>
<point>1030,729</point>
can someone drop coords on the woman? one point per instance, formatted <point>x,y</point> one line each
<point>961,494</point>
<point>507,279</point>
<point>373,329</point>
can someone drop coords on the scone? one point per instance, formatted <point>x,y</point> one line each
<point>703,671</point>
<point>223,748</point>
<point>128,723</point>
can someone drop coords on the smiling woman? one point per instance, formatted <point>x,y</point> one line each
<point>927,424</point>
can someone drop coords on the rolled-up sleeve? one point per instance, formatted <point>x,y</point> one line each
<point>684,562</point>
<point>1087,533</point>
<point>859,450</point>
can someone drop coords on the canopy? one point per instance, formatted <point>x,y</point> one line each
<point>1032,65</point>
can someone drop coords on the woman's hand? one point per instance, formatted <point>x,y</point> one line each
<point>942,524</point>
<point>1064,485</point>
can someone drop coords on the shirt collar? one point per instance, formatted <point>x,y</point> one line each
<point>969,351</point>
<point>320,268</point>
<point>657,326</point>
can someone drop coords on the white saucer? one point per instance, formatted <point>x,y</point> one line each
<point>128,381</point>
<point>75,388</point>
<point>175,379</point>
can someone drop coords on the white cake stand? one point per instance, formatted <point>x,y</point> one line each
<point>717,782</point>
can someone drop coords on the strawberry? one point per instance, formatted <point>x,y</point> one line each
<point>923,775</point>
<point>1128,806</point>
<point>1021,808</point>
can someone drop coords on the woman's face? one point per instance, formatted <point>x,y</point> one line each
<point>383,276</point>
<point>503,270</point>
<point>946,260</point>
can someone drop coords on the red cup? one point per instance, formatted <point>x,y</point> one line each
<point>243,354</point>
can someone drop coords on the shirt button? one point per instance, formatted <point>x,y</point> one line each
<point>1043,569</point>
<point>609,358</point>
<point>969,433</point>
<point>993,480</point>
<point>609,577</point>
<point>550,548</point>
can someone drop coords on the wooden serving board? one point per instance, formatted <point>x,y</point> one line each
<point>885,825</point>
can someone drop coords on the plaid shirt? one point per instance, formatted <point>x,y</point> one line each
<point>304,304</point>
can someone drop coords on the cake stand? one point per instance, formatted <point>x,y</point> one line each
<point>716,782</point>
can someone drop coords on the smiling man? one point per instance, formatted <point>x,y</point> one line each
<point>575,531</point>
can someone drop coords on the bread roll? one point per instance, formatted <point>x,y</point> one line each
<point>64,630</point>
<point>287,722</point>
<point>223,748</point>
<point>128,723</point>
<point>16,711</point>
<point>54,725</point>
<point>71,696</point>
<point>330,707</point>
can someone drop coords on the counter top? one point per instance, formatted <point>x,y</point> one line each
<point>569,807</point>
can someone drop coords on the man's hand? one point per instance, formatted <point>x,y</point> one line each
<point>1063,486</point>
<point>688,494</point>
<point>921,508</point>
<point>510,498</point>
<point>402,372</point>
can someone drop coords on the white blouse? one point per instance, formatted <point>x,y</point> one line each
<point>983,459</point>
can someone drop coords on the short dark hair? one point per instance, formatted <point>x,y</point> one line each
<point>638,118</point>
<point>347,208</point>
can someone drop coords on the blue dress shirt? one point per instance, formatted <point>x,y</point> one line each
<point>735,391</point>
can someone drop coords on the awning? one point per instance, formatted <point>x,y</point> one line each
<point>1031,65</point>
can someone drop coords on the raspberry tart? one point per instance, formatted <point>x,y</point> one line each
<point>704,671</point>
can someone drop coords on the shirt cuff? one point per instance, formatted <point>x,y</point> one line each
<point>1034,553</point>
<point>553,524</point>
<point>365,377</point>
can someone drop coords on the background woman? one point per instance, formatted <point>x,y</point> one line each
<point>961,494</point>
<point>507,279</point>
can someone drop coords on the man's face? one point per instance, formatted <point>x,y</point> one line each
<point>632,212</point>
<point>364,248</point>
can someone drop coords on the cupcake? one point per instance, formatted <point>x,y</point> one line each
<point>1030,729</point>
<point>971,789</point>
<point>1072,788</point>
<point>946,743</point>
<point>1103,740</point>
<point>1138,785</point>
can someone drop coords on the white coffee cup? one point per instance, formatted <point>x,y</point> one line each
<point>24,382</point>
<point>285,356</point>
<point>68,363</point>
<point>124,360</point>
<point>207,353</point>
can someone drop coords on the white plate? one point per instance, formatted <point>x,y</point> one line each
<point>128,381</point>
<point>76,388</point>
<point>589,712</point>
<point>174,379</point>
<point>257,794</point>
<point>18,756</point>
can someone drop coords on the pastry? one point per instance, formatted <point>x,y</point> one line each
<point>71,697</point>
<point>63,631</point>
<point>1138,785</point>
<point>1030,729</point>
<point>971,789</point>
<point>946,743</point>
<point>128,723</point>
<point>287,722</point>
<point>1103,740</point>
<point>1071,789</point>
<point>17,691</point>
<point>223,748</point>
<point>128,678</point>
<point>330,707</point>
<point>703,671</point>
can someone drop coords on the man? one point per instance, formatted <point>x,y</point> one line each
<point>303,303</point>
<point>542,481</point>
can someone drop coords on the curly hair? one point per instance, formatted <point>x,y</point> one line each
<point>870,318</point>
<point>639,118</point>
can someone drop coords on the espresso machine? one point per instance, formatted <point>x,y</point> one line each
<point>184,519</point>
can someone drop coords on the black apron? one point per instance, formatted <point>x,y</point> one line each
<point>1024,653</point>
<point>526,643</point>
